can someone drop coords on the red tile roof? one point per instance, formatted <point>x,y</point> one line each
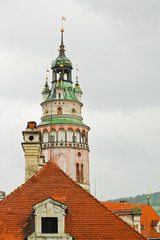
<point>87,217</point>
<point>148,214</point>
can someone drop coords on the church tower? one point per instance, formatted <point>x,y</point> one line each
<point>64,135</point>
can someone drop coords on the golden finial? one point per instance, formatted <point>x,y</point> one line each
<point>62,29</point>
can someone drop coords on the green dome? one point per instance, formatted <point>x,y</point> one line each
<point>46,88</point>
<point>61,60</point>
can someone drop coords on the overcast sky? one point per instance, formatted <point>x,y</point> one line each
<point>116,44</point>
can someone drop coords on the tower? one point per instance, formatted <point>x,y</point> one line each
<point>64,135</point>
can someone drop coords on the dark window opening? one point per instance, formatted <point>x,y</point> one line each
<point>59,110</point>
<point>142,227</point>
<point>77,172</point>
<point>31,138</point>
<point>79,154</point>
<point>59,95</point>
<point>82,173</point>
<point>50,225</point>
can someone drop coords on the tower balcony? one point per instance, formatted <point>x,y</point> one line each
<point>63,144</point>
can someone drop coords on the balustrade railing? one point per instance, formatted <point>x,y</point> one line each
<point>64,144</point>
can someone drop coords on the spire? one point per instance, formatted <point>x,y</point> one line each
<point>61,47</point>
<point>62,31</point>
<point>46,88</point>
<point>77,86</point>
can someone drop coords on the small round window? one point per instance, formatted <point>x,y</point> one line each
<point>31,138</point>
<point>79,154</point>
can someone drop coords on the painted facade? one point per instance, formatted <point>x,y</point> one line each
<point>64,135</point>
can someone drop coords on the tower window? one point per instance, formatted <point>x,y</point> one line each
<point>65,76</point>
<point>74,139</point>
<point>50,225</point>
<point>59,110</point>
<point>79,154</point>
<point>82,173</point>
<point>59,95</point>
<point>77,172</point>
<point>31,138</point>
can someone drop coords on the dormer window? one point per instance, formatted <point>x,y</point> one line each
<point>49,224</point>
<point>59,95</point>
<point>49,220</point>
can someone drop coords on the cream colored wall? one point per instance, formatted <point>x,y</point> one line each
<point>66,108</point>
<point>133,220</point>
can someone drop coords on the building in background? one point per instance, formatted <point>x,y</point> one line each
<point>140,216</point>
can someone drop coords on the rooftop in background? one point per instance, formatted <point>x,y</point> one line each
<point>147,220</point>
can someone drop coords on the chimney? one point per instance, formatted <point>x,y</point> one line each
<point>32,150</point>
<point>2,195</point>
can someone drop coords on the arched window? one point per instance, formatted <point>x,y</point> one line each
<point>83,137</point>
<point>77,172</point>
<point>54,75</point>
<point>59,95</point>
<point>59,110</point>
<point>61,135</point>
<point>65,76</point>
<point>77,135</point>
<point>53,135</point>
<point>82,178</point>
<point>45,136</point>
<point>69,135</point>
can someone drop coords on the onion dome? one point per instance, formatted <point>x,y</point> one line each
<point>46,87</point>
<point>77,86</point>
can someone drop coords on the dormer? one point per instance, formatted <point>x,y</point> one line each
<point>156,225</point>
<point>49,220</point>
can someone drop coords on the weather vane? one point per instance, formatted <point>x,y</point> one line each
<point>63,19</point>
